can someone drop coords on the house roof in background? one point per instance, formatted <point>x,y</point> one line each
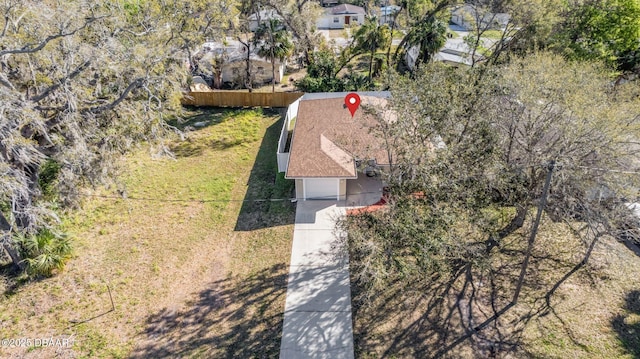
<point>389,10</point>
<point>232,49</point>
<point>265,15</point>
<point>468,9</point>
<point>326,139</point>
<point>345,9</point>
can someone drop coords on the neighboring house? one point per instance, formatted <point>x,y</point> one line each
<point>338,17</point>
<point>455,52</point>
<point>324,149</point>
<point>467,15</point>
<point>262,17</point>
<point>235,70</point>
<point>227,62</point>
<point>388,13</point>
<point>199,85</point>
<point>328,3</point>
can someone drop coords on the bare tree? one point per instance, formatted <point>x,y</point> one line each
<point>472,149</point>
<point>81,82</point>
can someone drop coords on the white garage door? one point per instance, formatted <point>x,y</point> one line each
<point>321,188</point>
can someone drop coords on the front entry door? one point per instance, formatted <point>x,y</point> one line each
<point>346,20</point>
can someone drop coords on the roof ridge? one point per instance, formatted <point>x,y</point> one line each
<point>337,154</point>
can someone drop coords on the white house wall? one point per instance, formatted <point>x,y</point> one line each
<point>359,18</point>
<point>283,157</point>
<point>327,21</point>
<point>264,76</point>
<point>299,188</point>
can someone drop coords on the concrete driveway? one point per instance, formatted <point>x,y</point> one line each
<point>317,318</point>
<point>335,36</point>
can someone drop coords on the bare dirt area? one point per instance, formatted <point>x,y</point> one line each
<point>595,313</point>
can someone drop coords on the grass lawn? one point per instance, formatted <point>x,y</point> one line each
<point>202,275</point>
<point>492,34</point>
<point>398,34</point>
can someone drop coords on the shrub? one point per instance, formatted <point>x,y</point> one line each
<point>45,252</point>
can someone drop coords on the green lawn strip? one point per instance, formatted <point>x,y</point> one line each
<point>171,235</point>
<point>492,34</point>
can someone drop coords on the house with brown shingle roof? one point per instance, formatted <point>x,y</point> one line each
<point>322,147</point>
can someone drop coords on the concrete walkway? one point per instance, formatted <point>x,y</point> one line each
<point>317,318</point>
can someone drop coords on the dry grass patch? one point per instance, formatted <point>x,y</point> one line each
<point>178,270</point>
<point>594,314</point>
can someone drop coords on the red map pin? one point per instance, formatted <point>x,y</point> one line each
<point>352,101</point>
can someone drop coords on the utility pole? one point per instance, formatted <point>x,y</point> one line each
<point>534,231</point>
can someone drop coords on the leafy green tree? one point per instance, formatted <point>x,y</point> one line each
<point>273,42</point>
<point>371,37</point>
<point>501,130</point>
<point>322,73</point>
<point>469,161</point>
<point>429,37</point>
<point>300,17</point>
<point>427,27</point>
<point>606,30</point>
<point>530,26</point>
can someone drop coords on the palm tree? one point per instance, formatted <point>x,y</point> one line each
<point>429,36</point>
<point>370,37</point>
<point>427,32</point>
<point>273,43</point>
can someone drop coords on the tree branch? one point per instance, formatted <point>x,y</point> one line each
<point>7,244</point>
<point>59,83</point>
<point>31,48</point>
<point>135,84</point>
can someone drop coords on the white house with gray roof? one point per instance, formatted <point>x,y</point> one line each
<point>341,16</point>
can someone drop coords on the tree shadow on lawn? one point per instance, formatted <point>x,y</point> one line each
<point>435,317</point>
<point>267,202</point>
<point>440,312</point>
<point>198,118</point>
<point>11,278</point>
<point>232,318</point>
<point>628,326</point>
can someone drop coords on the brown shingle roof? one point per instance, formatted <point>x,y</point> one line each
<point>326,139</point>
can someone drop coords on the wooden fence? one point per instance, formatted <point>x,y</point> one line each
<point>240,99</point>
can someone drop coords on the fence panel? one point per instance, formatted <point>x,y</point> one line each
<point>240,99</point>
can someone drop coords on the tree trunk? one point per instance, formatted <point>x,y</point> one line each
<point>534,232</point>
<point>515,223</point>
<point>248,82</point>
<point>8,246</point>
<point>217,80</point>
<point>373,51</point>
<point>273,74</point>
<point>13,253</point>
<point>393,27</point>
